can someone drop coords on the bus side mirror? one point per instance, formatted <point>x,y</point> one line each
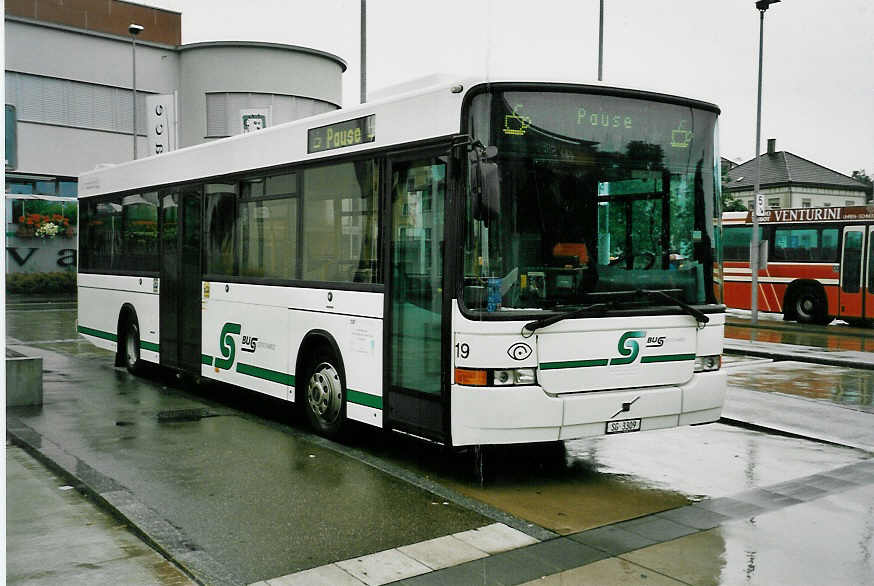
<point>486,190</point>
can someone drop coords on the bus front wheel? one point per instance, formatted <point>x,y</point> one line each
<point>810,306</point>
<point>131,347</point>
<point>324,400</point>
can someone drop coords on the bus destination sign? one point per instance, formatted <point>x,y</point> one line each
<point>342,134</point>
<point>833,214</point>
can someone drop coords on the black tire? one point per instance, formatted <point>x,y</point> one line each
<point>130,348</point>
<point>810,306</point>
<point>324,394</point>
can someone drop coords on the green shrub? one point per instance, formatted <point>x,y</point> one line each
<point>60,282</point>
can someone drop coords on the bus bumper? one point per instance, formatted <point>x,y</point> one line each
<point>506,415</point>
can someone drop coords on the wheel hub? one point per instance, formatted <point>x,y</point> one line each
<point>324,393</point>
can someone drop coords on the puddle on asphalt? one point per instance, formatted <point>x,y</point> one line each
<point>843,386</point>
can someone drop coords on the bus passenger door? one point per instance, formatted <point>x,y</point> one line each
<point>851,296</point>
<point>868,280</point>
<point>180,317</point>
<point>414,301</point>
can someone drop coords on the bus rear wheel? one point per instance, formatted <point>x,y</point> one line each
<point>324,400</point>
<point>810,306</point>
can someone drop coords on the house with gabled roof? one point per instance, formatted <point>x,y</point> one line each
<point>790,181</point>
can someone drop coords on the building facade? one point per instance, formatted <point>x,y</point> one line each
<point>790,181</point>
<point>69,96</point>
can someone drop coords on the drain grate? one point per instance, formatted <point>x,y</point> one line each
<point>175,415</point>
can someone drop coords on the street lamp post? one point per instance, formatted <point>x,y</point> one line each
<point>601,42</point>
<point>363,51</point>
<point>134,30</point>
<point>762,6</point>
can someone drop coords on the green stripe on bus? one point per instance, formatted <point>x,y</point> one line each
<point>365,399</point>
<point>149,346</point>
<point>204,359</point>
<point>97,333</point>
<point>266,374</point>
<point>574,364</point>
<point>668,358</point>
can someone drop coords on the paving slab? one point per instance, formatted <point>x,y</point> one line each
<point>495,538</point>
<point>383,567</point>
<point>443,552</point>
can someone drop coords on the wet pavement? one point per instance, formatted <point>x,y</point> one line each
<point>56,536</point>
<point>771,329</point>
<point>851,388</point>
<point>236,493</point>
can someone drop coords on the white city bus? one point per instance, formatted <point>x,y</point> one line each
<point>472,263</point>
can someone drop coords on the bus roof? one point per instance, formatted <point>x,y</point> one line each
<point>430,111</point>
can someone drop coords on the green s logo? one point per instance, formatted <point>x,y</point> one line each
<point>227,346</point>
<point>628,347</point>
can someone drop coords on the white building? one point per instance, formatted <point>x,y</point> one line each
<point>790,181</point>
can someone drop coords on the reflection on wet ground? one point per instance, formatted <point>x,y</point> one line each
<point>793,545</point>
<point>847,387</point>
<point>583,484</point>
<point>830,337</point>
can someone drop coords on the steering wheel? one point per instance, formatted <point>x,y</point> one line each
<point>650,259</point>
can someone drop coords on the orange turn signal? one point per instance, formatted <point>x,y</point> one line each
<point>470,377</point>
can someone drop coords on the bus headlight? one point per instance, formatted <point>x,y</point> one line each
<point>504,377</point>
<point>514,376</point>
<point>708,363</point>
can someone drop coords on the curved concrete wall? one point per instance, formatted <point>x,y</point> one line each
<point>257,68</point>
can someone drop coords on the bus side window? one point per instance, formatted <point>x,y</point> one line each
<point>829,246</point>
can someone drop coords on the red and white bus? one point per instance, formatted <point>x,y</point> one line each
<point>819,264</point>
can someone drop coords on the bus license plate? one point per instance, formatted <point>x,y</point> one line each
<point>624,426</point>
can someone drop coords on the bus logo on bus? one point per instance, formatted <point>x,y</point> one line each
<point>628,347</point>
<point>228,346</point>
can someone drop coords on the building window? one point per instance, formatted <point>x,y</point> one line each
<point>849,202</point>
<point>805,203</point>
<point>751,204</point>
<point>826,205</point>
<point>774,203</point>
<point>77,104</point>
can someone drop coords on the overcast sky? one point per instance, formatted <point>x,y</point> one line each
<point>818,96</point>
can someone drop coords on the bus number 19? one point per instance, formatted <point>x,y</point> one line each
<point>462,350</point>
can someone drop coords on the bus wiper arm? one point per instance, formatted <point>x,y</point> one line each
<point>698,315</point>
<point>595,308</point>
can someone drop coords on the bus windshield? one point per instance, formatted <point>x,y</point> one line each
<point>588,198</point>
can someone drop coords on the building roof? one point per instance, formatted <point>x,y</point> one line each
<point>782,168</point>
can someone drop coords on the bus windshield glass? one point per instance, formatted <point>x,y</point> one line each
<point>579,198</point>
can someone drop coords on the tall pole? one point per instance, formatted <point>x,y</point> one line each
<point>363,51</point>
<point>134,29</point>
<point>134,59</point>
<point>601,42</point>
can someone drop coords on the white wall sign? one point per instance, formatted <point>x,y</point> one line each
<point>252,119</point>
<point>161,119</point>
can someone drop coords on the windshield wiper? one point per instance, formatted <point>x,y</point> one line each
<point>698,315</point>
<point>586,310</point>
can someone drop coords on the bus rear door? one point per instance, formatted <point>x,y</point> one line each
<point>852,291</point>
<point>869,277</point>
<point>180,313</point>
